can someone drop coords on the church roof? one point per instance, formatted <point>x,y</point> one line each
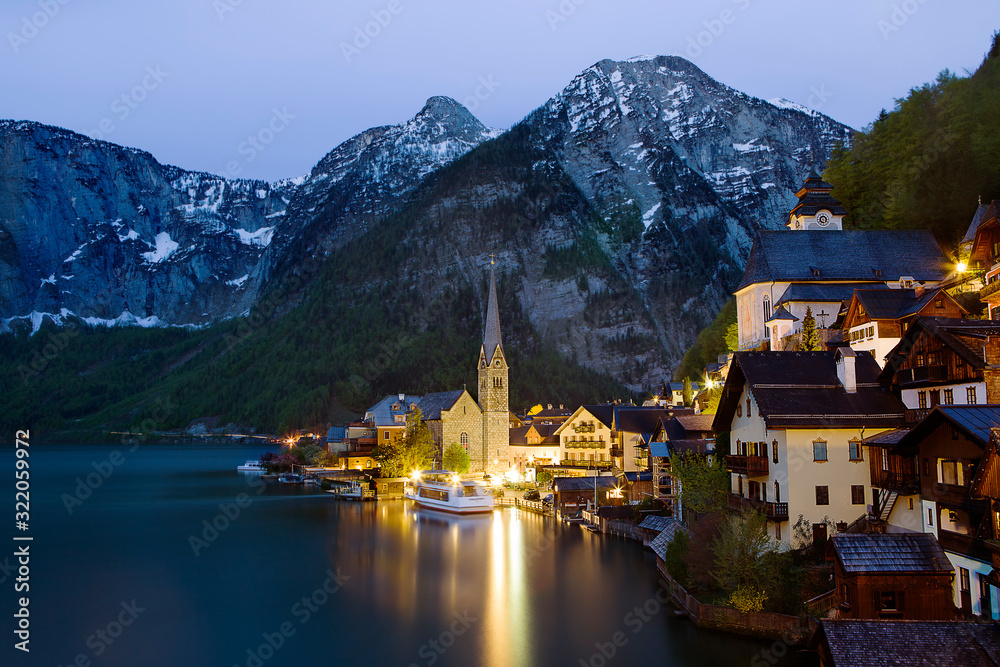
<point>977,219</point>
<point>491,332</point>
<point>815,196</point>
<point>781,314</point>
<point>823,292</point>
<point>854,256</point>
<point>431,405</point>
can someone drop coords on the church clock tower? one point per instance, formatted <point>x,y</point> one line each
<point>493,390</point>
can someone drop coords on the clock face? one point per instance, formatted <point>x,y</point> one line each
<point>823,218</point>
<point>498,363</point>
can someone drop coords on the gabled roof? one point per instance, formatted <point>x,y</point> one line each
<point>889,553</point>
<point>639,420</point>
<point>966,338</point>
<point>546,433</point>
<point>563,484</point>
<point>654,522</point>
<point>662,450</point>
<point>910,643</point>
<point>602,413</point>
<point>382,414</point>
<point>887,438</point>
<point>431,405</point>
<point>696,423</point>
<point>660,543</point>
<point>843,256</point>
<point>336,433</point>
<point>893,304</point>
<point>974,421</point>
<point>802,389</point>
<point>970,235</point>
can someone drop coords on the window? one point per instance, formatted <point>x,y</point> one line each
<point>930,516</point>
<point>857,494</point>
<point>748,408</point>
<point>964,578</point>
<point>385,435</point>
<point>922,400</point>
<point>935,395</point>
<point>949,472</point>
<point>739,410</point>
<point>890,601</point>
<point>464,440</point>
<point>822,495</point>
<point>910,503</point>
<point>368,463</point>
<point>949,397</point>
<point>819,450</point>
<point>766,307</point>
<point>927,468</point>
<point>854,446</point>
<point>774,451</point>
<point>762,449</point>
<point>939,303</point>
<point>777,492</point>
<point>970,395</point>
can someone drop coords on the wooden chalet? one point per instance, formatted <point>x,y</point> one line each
<point>898,576</point>
<point>986,486</point>
<point>911,643</point>
<point>985,256</point>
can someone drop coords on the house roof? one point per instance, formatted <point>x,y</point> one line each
<point>822,292</point>
<point>653,522</point>
<point>892,304</point>
<point>801,389</point>
<point>547,433</point>
<point>910,643</point>
<point>966,338</point>
<point>696,423</point>
<point>563,484</point>
<point>602,413</point>
<point>974,421</point>
<point>662,450</point>
<point>431,405</point>
<point>336,433</point>
<point>970,235</point>
<point>887,438</point>
<point>639,420</point>
<point>843,256</point>
<point>889,553</point>
<point>382,414</point>
<point>660,543</point>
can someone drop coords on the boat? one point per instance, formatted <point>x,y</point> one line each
<point>351,490</point>
<point>290,478</point>
<point>445,491</point>
<point>251,466</point>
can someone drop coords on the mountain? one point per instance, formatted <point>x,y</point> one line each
<point>620,212</point>
<point>99,230</point>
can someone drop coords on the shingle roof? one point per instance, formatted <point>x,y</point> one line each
<point>660,542</point>
<point>965,337</point>
<point>893,552</point>
<point>887,438</point>
<point>382,412</point>
<point>431,405</point>
<point>801,389</point>
<point>823,292</point>
<point>975,421</point>
<point>639,420</point>
<point>563,484</point>
<point>336,434</point>
<point>654,522</point>
<point>910,643</point>
<point>970,235</point>
<point>843,256</point>
<point>696,423</point>
<point>891,304</point>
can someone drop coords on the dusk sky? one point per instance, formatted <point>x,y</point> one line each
<point>200,76</point>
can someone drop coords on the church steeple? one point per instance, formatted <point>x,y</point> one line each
<point>491,331</point>
<point>817,209</point>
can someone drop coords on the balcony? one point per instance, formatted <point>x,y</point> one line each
<point>585,444</point>
<point>751,466</point>
<point>914,416</point>
<point>901,476</point>
<point>951,494</point>
<point>576,463</point>
<point>907,376</point>
<point>989,288</point>
<point>641,463</point>
<point>617,452</point>
<point>773,511</point>
<point>967,545</point>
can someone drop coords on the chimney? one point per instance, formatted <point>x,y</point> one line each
<point>550,406</point>
<point>845,369</point>
<point>402,398</point>
<point>918,290</point>
<point>991,374</point>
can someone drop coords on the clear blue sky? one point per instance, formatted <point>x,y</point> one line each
<point>223,66</point>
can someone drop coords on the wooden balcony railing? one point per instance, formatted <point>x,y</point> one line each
<point>922,374</point>
<point>914,416</point>
<point>752,466</point>
<point>617,452</point>
<point>585,444</point>
<point>902,475</point>
<point>773,511</point>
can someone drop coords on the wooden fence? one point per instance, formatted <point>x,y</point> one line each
<point>530,505</point>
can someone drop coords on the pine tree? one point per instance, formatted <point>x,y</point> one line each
<point>810,339</point>
<point>687,393</point>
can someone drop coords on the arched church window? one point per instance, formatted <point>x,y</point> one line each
<point>767,307</point>
<point>464,439</point>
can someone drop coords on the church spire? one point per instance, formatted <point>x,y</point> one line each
<point>491,332</point>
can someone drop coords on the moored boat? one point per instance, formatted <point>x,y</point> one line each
<point>290,478</point>
<point>251,466</point>
<point>445,491</point>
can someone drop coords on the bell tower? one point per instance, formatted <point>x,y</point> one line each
<point>493,389</point>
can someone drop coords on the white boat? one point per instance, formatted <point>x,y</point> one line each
<point>445,491</point>
<point>352,490</point>
<point>251,466</point>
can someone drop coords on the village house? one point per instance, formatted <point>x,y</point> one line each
<point>942,361</point>
<point>585,439</point>
<point>820,267</point>
<point>576,494</point>
<point>925,484</point>
<point>679,432</point>
<point>797,421</point>
<point>986,486</point>
<point>985,255</point>
<point>876,318</point>
<point>533,447</point>
<point>884,643</point>
<point>899,576</point>
<point>632,431</point>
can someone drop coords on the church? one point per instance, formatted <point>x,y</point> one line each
<point>818,265</point>
<point>482,428</point>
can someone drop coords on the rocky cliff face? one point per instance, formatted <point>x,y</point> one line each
<point>622,211</point>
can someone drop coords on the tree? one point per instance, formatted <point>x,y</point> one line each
<point>687,393</point>
<point>543,477</point>
<point>456,459</point>
<point>414,450</point>
<point>810,339</point>
<point>704,481</point>
<point>747,561</point>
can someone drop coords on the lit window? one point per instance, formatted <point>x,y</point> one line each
<point>464,439</point>
<point>922,400</point>
<point>970,395</point>
<point>949,397</point>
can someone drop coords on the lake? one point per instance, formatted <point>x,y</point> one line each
<point>165,555</point>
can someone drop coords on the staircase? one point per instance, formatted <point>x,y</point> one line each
<point>887,505</point>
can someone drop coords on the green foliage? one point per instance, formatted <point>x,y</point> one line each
<point>675,558</point>
<point>543,477</point>
<point>712,398</point>
<point>810,339</point>
<point>704,481</point>
<point>716,339</point>
<point>747,561</point>
<point>413,450</point>
<point>924,164</point>
<point>456,459</point>
<point>687,393</point>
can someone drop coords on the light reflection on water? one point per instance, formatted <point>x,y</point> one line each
<point>504,589</point>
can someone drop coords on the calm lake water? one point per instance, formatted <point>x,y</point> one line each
<point>299,578</point>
